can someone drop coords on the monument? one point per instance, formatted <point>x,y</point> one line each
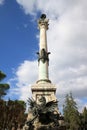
<point>43,86</point>
<point>43,111</point>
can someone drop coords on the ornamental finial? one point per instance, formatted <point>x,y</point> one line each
<point>43,21</point>
<point>43,16</point>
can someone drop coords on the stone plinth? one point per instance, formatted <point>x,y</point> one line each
<point>47,89</point>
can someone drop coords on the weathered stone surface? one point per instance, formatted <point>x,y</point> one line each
<point>50,128</point>
<point>44,88</point>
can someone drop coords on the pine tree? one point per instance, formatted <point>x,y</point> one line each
<point>3,87</point>
<point>71,114</point>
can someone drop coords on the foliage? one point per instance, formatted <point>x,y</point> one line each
<point>3,87</point>
<point>71,114</point>
<point>12,113</point>
<point>83,118</point>
<point>85,114</point>
<point>2,75</point>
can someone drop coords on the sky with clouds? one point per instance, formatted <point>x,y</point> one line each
<point>67,42</point>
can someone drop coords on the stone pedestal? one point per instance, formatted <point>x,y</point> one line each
<point>47,89</point>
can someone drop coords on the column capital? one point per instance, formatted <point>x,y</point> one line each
<point>43,22</point>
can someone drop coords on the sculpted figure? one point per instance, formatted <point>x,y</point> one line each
<point>45,112</point>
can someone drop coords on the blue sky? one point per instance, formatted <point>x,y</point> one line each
<point>17,36</point>
<point>67,42</point>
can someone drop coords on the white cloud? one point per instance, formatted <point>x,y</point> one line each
<point>27,5</point>
<point>67,42</point>
<point>26,75</point>
<point>1,2</point>
<point>25,72</point>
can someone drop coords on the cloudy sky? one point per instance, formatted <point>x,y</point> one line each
<point>67,42</point>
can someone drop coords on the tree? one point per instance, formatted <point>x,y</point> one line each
<point>12,114</point>
<point>2,75</point>
<point>84,118</point>
<point>3,87</point>
<point>84,113</point>
<point>71,114</point>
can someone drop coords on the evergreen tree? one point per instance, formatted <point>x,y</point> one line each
<point>71,114</point>
<point>85,114</point>
<point>84,118</point>
<point>3,87</point>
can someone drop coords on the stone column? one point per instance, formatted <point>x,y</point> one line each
<point>43,86</point>
<point>43,58</point>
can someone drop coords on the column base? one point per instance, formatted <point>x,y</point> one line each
<point>44,80</point>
